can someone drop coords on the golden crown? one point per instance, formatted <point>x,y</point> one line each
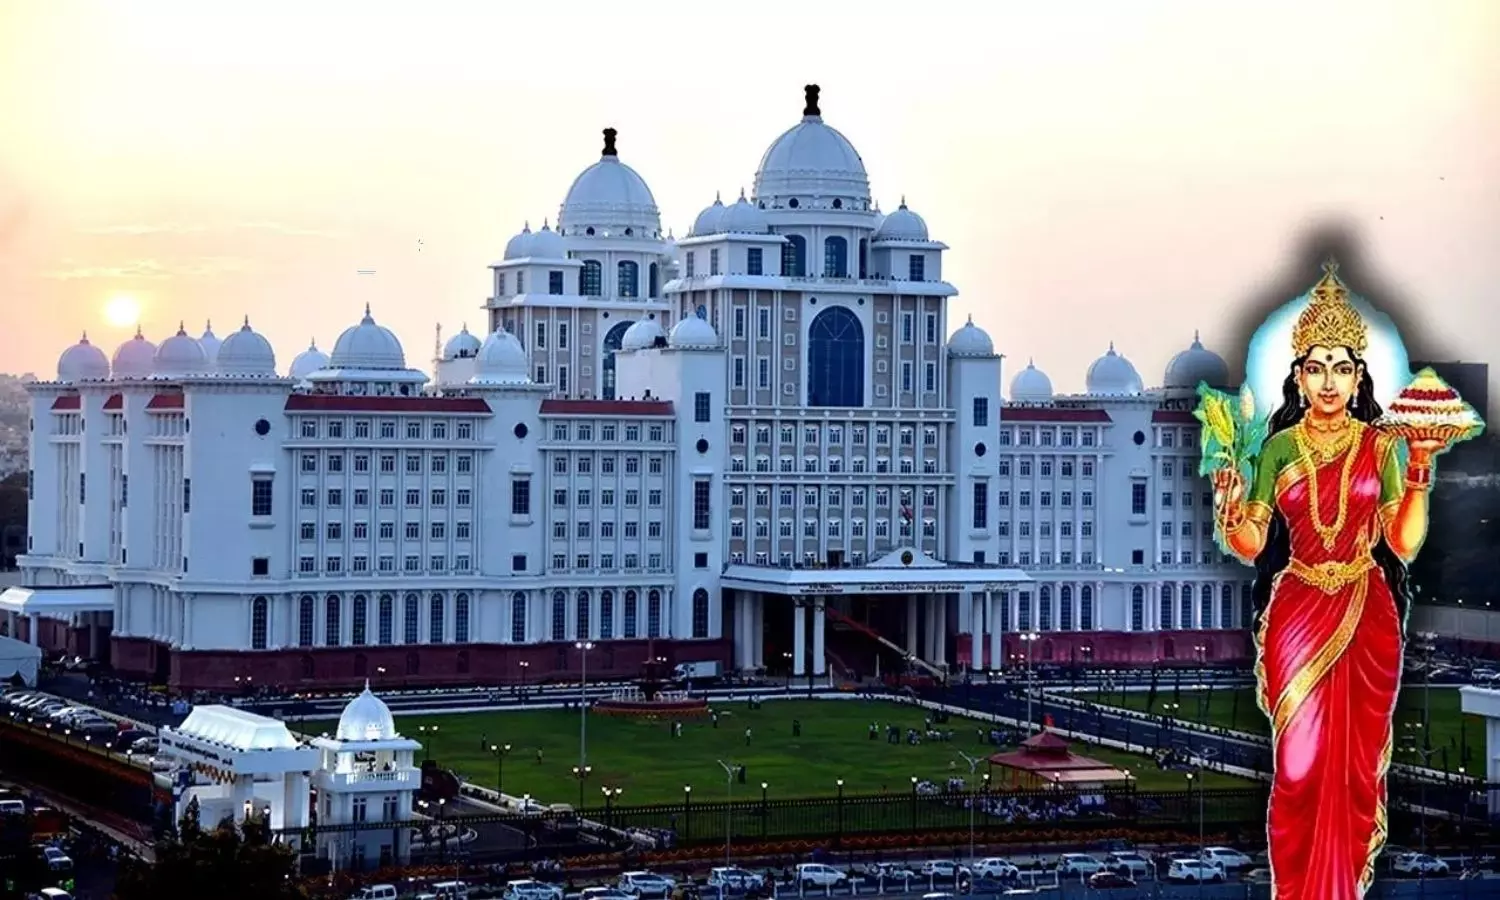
<point>1330,320</point>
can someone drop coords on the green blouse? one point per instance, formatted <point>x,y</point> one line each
<point>1280,451</point>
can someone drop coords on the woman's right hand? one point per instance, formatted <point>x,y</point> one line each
<point>1229,488</point>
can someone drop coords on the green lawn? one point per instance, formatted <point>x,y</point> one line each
<point>1448,726</point>
<point>650,766</point>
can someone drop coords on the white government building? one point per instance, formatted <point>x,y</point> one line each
<point>763,444</point>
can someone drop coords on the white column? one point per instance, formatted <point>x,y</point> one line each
<point>912,627</point>
<point>997,637</point>
<point>929,628</point>
<point>799,637</point>
<point>35,634</point>
<point>760,630</point>
<point>940,654</point>
<point>820,660</point>
<point>976,632</point>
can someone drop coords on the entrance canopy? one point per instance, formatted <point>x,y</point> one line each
<point>58,602</point>
<point>908,571</point>
<point>18,658</point>
<point>231,742</point>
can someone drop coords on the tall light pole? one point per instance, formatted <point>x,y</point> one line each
<point>500,750</point>
<point>974,762</point>
<point>583,648</point>
<point>729,772</point>
<point>1029,639</point>
<point>1205,757</point>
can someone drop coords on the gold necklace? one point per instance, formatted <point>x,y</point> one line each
<point>1329,533</point>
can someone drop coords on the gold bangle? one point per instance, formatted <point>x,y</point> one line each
<point>1418,485</point>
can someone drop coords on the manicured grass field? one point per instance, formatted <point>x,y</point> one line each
<point>651,766</point>
<point>1449,727</point>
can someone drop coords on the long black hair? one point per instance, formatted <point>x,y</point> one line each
<point>1278,550</point>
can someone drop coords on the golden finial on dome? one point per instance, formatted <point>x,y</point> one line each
<point>1330,320</point>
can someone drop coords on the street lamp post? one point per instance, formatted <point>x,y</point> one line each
<point>974,762</point>
<point>582,774</point>
<point>426,749</point>
<point>729,773</point>
<point>840,838</point>
<point>1205,757</point>
<point>1029,638</point>
<point>687,809</point>
<point>523,665</point>
<point>583,648</point>
<point>500,750</point>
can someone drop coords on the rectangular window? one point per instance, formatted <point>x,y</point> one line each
<point>562,335</point>
<point>754,261</point>
<point>713,262</point>
<point>981,505</point>
<point>702,411</point>
<point>541,336</point>
<point>1138,498</point>
<point>702,508</point>
<point>554,283</point>
<point>739,321</point>
<point>187,495</point>
<point>520,497</point>
<point>981,412</point>
<point>260,496</point>
<point>763,323</point>
<point>916,267</point>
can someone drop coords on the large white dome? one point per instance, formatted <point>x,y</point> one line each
<point>247,353</point>
<point>1196,365</point>
<point>610,199</point>
<point>692,333</point>
<point>82,362</point>
<point>367,346</point>
<point>136,358</point>
<point>1113,375</point>
<point>462,345</point>
<point>308,361</point>
<point>367,718</point>
<point>210,343</point>
<point>502,360</point>
<point>1031,385</point>
<point>812,160</point>
<point>902,225</point>
<point>180,356</point>
<point>971,340</point>
<point>642,335</point>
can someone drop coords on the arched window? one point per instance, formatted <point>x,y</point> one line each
<point>559,616</point>
<point>606,615</point>
<point>612,342</point>
<point>653,614</point>
<point>360,620</point>
<point>632,630</point>
<point>1044,608</point>
<point>1166,606</point>
<point>260,623</point>
<point>794,256</point>
<point>1206,606</point>
<point>1137,608</point>
<point>461,619</point>
<point>1185,607</point>
<point>1065,607</point>
<point>628,275</point>
<point>1226,606</point>
<point>411,619</point>
<point>582,617</point>
<point>387,627</point>
<point>518,618</point>
<point>1247,605</point>
<point>1025,621</point>
<point>306,616</point>
<point>332,620</point>
<point>864,257</point>
<point>1086,607</point>
<point>700,613</point>
<point>435,623</point>
<point>653,281</point>
<point>591,278</point>
<point>836,359</point>
<point>835,257</point>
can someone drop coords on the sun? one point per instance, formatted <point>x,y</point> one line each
<point>122,311</point>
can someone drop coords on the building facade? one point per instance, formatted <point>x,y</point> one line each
<point>763,444</point>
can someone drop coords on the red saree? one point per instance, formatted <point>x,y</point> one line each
<point>1329,666</point>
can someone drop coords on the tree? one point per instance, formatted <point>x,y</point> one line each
<point>229,862</point>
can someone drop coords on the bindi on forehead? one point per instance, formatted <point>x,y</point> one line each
<point>1328,358</point>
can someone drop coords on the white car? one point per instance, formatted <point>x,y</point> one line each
<point>1130,864</point>
<point>1078,865</point>
<point>647,884</point>
<point>996,869</point>
<point>1419,864</point>
<point>894,872</point>
<point>1194,871</point>
<point>943,870</point>
<point>818,875</point>
<point>602,893</point>
<point>731,879</point>
<point>1227,858</point>
<point>57,861</point>
<point>528,889</point>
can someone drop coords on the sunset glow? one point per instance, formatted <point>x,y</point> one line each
<point>122,311</point>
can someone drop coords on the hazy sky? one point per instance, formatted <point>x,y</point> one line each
<point>1110,170</point>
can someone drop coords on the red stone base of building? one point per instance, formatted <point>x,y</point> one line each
<point>398,667</point>
<point>1132,648</point>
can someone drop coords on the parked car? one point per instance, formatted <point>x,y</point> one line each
<point>888,871</point>
<point>1129,863</point>
<point>647,884</point>
<point>1078,865</point>
<point>996,868</point>
<point>1102,881</point>
<point>943,870</point>
<point>820,875</point>
<point>1228,858</point>
<point>732,879</point>
<point>1419,865</point>
<point>1194,871</point>
<point>57,860</point>
<point>530,889</point>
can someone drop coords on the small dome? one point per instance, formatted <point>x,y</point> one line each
<point>368,346</point>
<point>519,247</point>
<point>1031,385</point>
<point>611,197</point>
<point>643,334</point>
<point>180,355</point>
<point>1196,365</point>
<point>367,718</point>
<point>136,358</point>
<point>811,159</point>
<point>971,340</point>
<point>1113,375</point>
<point>902,225</point>
<point>462,345</point>
<point>246,352</point>
<point>82,362</point>
<point>708,221</point>
<point>547,244</point>
<point>210,343</point>
<point>744,217</point>
<point>692,333</point>
<point>502,360</point>
<point>308,361</point>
